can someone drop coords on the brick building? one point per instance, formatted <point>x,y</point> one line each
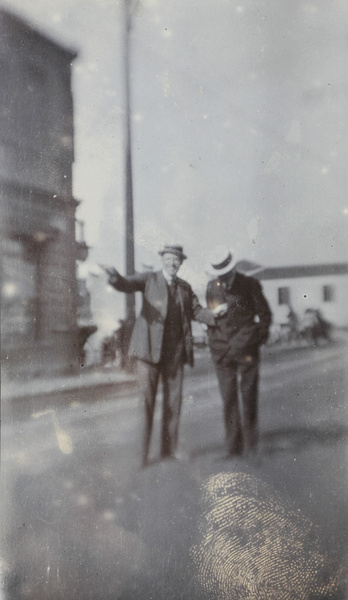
<point>37,208</point>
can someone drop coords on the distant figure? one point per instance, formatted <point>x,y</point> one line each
<point>109,350</point>
<point>234,346</point>
<point>314,327</point>
<point>123,337</point>
<point>84,332</point>
<point>324,327</point>
<point>162,340</point>
<point>289,328</point>
<point>293,324</point>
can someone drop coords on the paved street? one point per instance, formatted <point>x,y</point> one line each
<point>80,521</point>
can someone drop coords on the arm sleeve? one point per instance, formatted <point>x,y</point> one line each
<point>262,310</point>
<point>133,283</point>
<point>203,315</point>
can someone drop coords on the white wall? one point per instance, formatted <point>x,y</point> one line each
<point>307,292</point>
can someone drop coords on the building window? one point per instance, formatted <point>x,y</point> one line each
<point>328,293</point>
<point>284,295</point>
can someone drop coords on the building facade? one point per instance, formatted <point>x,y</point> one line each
<point>322,287</point>
<point>39,331</point>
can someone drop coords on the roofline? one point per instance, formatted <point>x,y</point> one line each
<point>24,24</point>
<point>297,271</point>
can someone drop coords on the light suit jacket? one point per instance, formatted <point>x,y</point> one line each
<point>147,336</point>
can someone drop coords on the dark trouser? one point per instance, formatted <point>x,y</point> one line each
<point>239,381</point>
<point>172,380</point>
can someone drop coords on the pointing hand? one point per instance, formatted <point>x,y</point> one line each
<point>111,271</point>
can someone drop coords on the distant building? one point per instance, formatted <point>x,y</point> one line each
<point>37,208</point>
<point>321,286</point>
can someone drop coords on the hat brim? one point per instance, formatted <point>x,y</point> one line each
<point>178,254</point>
<point>217,272</point>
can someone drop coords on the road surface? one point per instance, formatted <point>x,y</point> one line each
<point>80,521</point>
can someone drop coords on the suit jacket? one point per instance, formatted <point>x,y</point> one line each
<point>246,324</point>
<point>147,336</point>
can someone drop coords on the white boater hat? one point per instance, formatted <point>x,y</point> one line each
<point>220,261</point>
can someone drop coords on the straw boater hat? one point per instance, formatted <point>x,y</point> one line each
<point>221,261</point>
<point>173,249</point>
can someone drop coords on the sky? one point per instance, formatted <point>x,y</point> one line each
<point>239,126</point>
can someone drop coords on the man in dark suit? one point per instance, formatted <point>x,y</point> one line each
<point>234,346</point>
<point>162,340</point>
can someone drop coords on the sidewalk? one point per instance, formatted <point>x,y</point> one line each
<point>97,377</point>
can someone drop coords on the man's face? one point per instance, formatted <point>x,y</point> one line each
<point>228,278</point>
<point>171,263</point>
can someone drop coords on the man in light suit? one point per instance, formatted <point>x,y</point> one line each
<point>162,340</point>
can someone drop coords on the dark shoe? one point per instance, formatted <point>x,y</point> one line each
<point>235,452</point>
<point>232,455</point>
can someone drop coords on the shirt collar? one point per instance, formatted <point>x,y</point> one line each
<point>167,277</point>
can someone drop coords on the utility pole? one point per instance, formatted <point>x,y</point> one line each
<point>129,224</point>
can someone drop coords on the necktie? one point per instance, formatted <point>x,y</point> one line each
<point>172,285</point>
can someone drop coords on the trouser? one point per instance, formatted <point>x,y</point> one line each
<point>172,382</point>
<point>238,385</point>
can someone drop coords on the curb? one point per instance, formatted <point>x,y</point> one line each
<point>62,385</point>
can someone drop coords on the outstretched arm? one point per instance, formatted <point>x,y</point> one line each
<point>133,283</point>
